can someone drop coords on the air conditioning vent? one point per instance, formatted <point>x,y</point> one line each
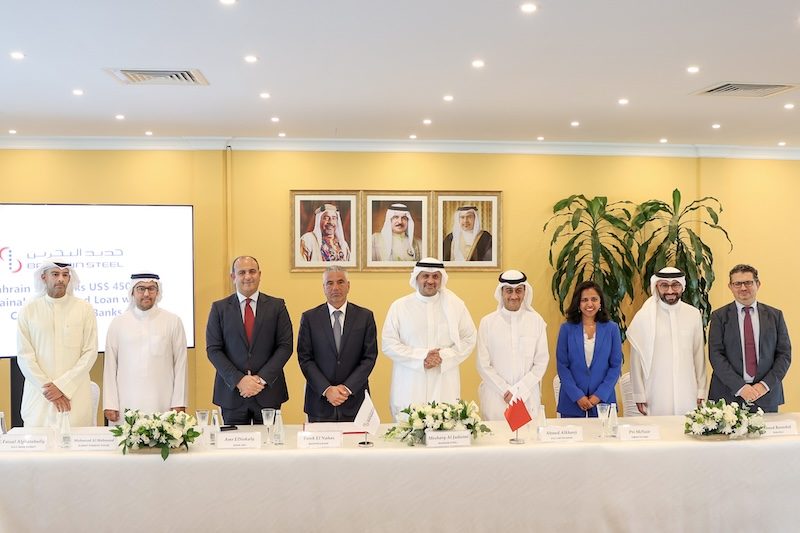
<point>158,77</point>
<point>753,90</point>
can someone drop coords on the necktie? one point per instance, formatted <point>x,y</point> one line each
<point>337,329</point>
<point>249,320</point>
<point>750,363</point>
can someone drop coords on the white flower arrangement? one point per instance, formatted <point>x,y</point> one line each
<point>721,418</point>
<point>166,431</point>
<point>461,415</point>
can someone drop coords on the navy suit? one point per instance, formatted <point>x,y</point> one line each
<point>725,355</point>
<point>232,356</point>
<point>323,366</point>
<point>578,380</point>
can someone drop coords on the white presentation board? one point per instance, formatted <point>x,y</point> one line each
<point>105,244</point>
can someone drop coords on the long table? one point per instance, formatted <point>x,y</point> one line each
<point>674,484</point>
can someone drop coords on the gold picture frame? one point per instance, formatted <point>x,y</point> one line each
<point>379,251</point>
<point>310,252</point>
<point>477,232</point>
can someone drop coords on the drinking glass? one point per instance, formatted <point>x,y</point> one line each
<point>602,413</point>
<point>268,417</point>
<point>202,417</point>
<point>3,430</point>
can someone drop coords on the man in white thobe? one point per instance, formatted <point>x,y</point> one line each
<point>396,241</point>
<point>145,360</point>
<point>427,334</point>
<point>512,349</point>
<point>56,348</point>
<point>668,368</point>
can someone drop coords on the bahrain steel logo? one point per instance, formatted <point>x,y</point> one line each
<point>7,258</point>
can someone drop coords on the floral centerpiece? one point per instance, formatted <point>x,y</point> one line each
<point>169,430</point>
<point>461,415</point>
<point>721,418</point>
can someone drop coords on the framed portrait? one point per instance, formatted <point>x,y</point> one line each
<point>324,229</point>
<point>397,229</point>
<point>468,232</point>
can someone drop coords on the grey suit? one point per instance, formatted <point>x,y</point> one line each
<point>725,355</point>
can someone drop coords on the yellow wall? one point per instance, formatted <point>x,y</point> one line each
<point>248,212</point>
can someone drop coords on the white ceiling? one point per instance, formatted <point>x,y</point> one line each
<point>374,69</point>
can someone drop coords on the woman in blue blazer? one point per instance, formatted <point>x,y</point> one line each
<point>588,353</point>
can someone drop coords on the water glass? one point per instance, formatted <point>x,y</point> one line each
<point>202,417</point>
<point>3,430</point>
<point>602,413</point>
<point>268,419</point>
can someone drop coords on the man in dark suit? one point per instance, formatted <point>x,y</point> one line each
<point>248,340</point>
<point>336,347</point>
<point>748,346</point>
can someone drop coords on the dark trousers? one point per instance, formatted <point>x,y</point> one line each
<point>247,413</point>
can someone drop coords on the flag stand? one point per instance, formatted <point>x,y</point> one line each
<point>366,443</point>
<point>516,439</point>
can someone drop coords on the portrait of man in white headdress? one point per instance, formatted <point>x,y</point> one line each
<point>398,229</point>
<point>467,236</point>
<point>326,240</point>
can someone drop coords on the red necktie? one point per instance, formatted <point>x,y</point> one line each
<point>750,363</point>
<point>250,320</point>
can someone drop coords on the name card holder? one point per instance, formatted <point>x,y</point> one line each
<point>94,442</point>
<point>238,440</point>
<point>638,432</point>
<point>447,439</point>
<point>23,443</point>
<point>560,434</point>
<point>780,428</point>
<point>319,439</point>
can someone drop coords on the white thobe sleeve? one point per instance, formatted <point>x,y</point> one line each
<point>110,367</point>
<point>394,348</point>
<point>541,358</point>
<point>452,357</point>
<point>26,354</point>
<point>637,376</point>
<point>485,368</point>
<point>69,381</point>
<point>699,359</point>
<point>179,358</point>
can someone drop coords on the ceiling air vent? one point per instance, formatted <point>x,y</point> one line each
<point>753,90</point>
<point>158,77</point>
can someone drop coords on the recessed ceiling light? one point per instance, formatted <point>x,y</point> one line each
<point>574,123</point>
<point>540,138</point>
<point>427,121</point>
<point>663,140</point>
<point>275,119</point>
<point>782,143</point>
<point>528,8</point>
<point>77,92</point>
<point>447,98</point>
<point>227,2</point>
<point>622,101</point>
<point>264,95</point>
<point>716,126</point>
<point>148,133</point>
<point>250,58</point>
<point>119,117</point>
<point>12,132</point>
<point>693,69</point>
<point>17,55</point>
<point>788,106</point>
<point>281,134</point>
<point>412,136</point>
<point>478,63</point>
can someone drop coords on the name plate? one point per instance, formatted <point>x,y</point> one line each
<point>561,434</point>
<point>23,443</point>
<point>238,440</point>
<point>643,432</point>
<point>319,439</point>
<point>779,428</point>
<point>447,439</point>
<point>97,442</point>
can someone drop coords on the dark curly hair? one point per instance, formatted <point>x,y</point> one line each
<point>574,310</point>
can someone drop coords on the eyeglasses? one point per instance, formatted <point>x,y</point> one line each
<point>663,285</point>
<point>141,290</point>
<point>739,284</point>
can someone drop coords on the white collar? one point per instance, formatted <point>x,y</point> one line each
<point>332,309</point>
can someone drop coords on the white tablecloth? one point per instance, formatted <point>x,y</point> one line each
<point>676,484</point>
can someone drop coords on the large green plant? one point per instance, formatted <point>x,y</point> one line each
<point>667,236</point>
<point>591,235</point>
